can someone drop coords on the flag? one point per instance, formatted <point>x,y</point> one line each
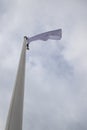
<point>54,35</point>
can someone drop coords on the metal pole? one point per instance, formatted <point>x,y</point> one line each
<point>15,115</point>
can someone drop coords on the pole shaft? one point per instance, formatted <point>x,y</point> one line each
<point>15,115</point>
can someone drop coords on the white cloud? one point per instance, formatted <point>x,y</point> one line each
<point>76,50</point>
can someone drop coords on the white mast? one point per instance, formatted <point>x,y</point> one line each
<point>15,115</point>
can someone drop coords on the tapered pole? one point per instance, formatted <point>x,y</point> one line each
<point>15,115</point>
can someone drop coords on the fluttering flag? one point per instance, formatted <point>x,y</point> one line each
<point>53,35</point>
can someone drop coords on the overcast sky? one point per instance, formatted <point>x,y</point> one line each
<point>56,71</point>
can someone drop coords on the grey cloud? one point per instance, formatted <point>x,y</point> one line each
<point>55,88</point>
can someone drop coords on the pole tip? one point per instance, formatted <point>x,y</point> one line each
<point>26,37</point>
<point>27,42</point>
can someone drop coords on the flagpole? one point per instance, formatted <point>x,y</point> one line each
<point>15,115</point>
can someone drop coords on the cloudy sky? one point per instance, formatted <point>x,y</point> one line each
<point>56,71</point>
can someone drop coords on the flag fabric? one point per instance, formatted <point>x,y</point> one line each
<point>54,35</point>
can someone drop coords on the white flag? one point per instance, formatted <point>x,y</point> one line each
<point>55,35</point>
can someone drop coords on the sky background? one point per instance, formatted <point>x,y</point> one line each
<point>56,71</point>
